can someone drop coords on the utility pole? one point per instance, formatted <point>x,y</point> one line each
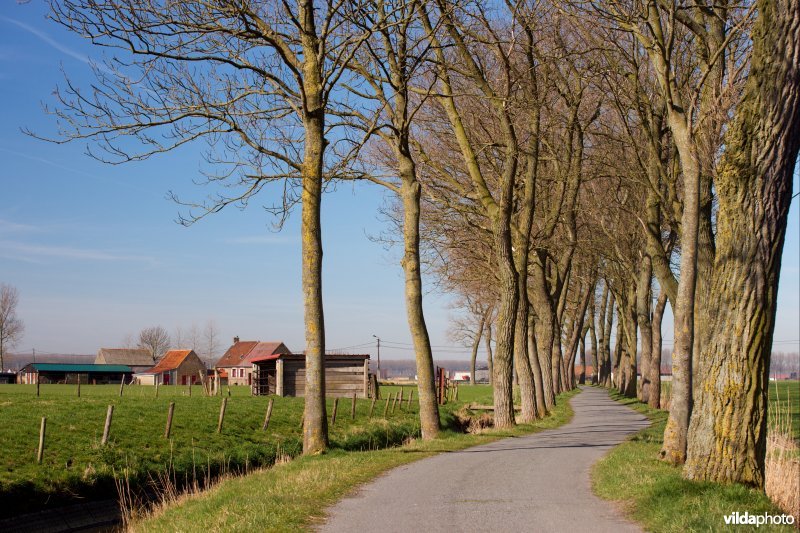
<point>379,356</point>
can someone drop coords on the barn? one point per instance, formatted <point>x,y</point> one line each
<point>64,373</point>
<point>285,375</point>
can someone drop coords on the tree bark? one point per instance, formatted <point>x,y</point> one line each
<point>533,355</point>
<point>315,426</point>
<point>544,330</point>
<point>643,293</point>
<point>475,345</point>
<point>489,357</point>
<point>593,338</point>
<point>655,358</point>
<point>428,404</point>
<point>727,438</point>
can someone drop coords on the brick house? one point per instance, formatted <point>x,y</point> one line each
<point>237,362</point>
<point>178,367</point>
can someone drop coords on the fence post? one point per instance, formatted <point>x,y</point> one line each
<point>410,398</point>
<point>121,384</point>
<point>222,414</point>
<point>156,380</point>
<point>269,415</point>
<point>42,430</point>
<point>400,401</point>
<point>372,406</point>
<point>335,407</point>
<point>79,385</point>
<point>190,388</point>
<point>107,427</point>
<point>37,385</point>
<point>386,407</point>
<point>394,401</point>
<point>170,412</point>
<point>353,408</point>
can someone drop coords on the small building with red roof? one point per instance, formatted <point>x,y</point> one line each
<point>177,367</point>
<point>237,362</point>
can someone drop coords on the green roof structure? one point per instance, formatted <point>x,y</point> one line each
<point>83,369</point>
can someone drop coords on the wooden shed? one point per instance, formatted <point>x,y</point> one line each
<point>285,375</point>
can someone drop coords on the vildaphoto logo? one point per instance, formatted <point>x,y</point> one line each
<point>746,519</point>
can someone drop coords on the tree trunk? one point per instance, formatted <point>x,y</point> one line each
<point>506,321</point>
<point>602,373</point>
<point>533,355</point>
<point>428,404</point>
<point>544,331</point>
<point>727,439</point>
<point>582,376</point>
<point>593,338</point>
<point>315,426</point>
<point>475,345</point>
<point>655,357</point>
<point>643,294</point>
<point>522,364</point>
<point>489,356</point>
<point>619,345</point>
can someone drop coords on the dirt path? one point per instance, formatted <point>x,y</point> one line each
<point>535,483</point>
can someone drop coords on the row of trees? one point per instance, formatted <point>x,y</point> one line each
<point>205,341</point>
<point>564,166</point>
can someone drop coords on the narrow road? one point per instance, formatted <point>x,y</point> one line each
<point>535,483</point>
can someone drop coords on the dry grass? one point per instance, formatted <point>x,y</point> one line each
<point>782,472</point>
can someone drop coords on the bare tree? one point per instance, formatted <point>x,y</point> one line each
<point>156,340</point>
<point>11,327</point>
<point>256,80</point>
<point>211,341</point>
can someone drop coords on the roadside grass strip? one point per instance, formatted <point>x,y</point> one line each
<point>655,495</point>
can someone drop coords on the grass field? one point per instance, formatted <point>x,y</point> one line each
<point>76,466</point>
<point>784,404</point>
<point>654,493</point>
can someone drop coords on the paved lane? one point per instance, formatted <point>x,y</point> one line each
<point>535,483</point>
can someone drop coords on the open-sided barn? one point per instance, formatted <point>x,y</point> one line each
<point>285,375</point>
<point>63,373</point>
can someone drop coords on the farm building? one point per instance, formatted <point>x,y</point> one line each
<point>139,359</point>
<point>285,375</point>
<point>237,363</point>
<point>64,373</point>
<point>177,367</point>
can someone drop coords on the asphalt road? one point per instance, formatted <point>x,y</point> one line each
<point>535,483</point>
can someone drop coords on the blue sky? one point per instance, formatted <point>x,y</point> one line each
<point>96,254</point>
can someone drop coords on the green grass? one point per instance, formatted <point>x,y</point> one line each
<point>75,466</point>
<point>654,494</point>
<point>783,396</point>
<point>784,399</point>
<point>294,496</point>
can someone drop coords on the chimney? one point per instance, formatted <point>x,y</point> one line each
<point>235,340</point>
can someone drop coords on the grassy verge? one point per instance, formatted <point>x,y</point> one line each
<point>294,495</point>
<point>654,493</point>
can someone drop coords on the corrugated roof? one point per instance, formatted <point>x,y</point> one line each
<point>171,360</point>
<point>125,356</point>
<point>55,367</point>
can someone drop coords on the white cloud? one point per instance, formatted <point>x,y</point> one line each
<point>36,252</point>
